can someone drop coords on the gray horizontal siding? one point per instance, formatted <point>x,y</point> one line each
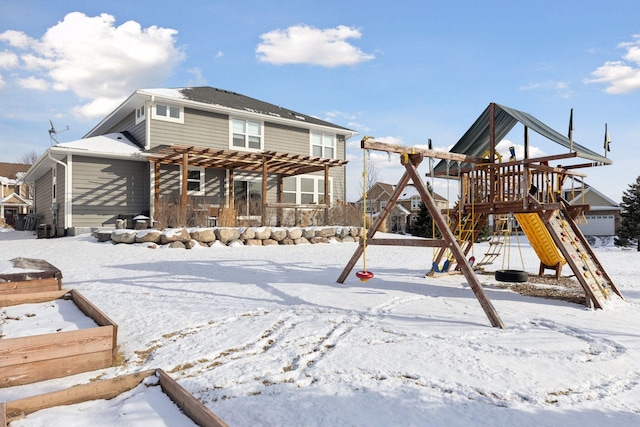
<point>286,139</point>
<point>43,198</point>
<point>200,128</point>
<point>129,124</point>
<point>208,129</point>
<point>105,188</point>
<point>170,184</point>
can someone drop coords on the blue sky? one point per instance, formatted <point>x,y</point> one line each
<point>401,71</point>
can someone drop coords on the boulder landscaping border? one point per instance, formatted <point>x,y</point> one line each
<point>188,238</point>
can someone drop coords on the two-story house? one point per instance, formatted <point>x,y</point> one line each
<point>15,197</point>
<point>219,148</point>
<point>404,213</point>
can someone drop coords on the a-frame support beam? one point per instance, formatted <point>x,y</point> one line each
<point>404,180</point>
<point>410,162</point>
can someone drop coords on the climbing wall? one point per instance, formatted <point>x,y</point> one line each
<point>585,265</point>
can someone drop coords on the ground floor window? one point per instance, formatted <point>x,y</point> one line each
<point>247,198</point>
<point>195,181</point>
<point>305,190</point>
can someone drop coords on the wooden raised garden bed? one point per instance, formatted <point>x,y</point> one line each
<point>27,275</point>
<point>110,389</point>
<point>27,359</point>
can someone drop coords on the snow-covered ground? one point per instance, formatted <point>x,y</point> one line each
<point>264,336</point>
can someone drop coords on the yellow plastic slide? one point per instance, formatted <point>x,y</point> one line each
<point>540,239</point>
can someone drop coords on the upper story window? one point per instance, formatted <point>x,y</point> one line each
<point>323,145</point>
<point>415,203</point>
<point>168,113</point>
<point>140,114</point>
<point>246,134</point>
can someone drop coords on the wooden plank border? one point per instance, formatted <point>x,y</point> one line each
<point>194,409</point>
<point>108,389</point>
<point>104,389</point>
<point>28,286</point>
<point>29,359</point>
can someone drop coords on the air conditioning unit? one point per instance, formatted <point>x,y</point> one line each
<point>46,231</point>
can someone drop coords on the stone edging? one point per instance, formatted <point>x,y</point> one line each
<point>229,236</point>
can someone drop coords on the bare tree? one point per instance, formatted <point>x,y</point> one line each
<point>29,158</point>
<point>372,177</point>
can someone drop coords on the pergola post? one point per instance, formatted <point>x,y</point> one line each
<point>280,199</point>
<point>156,188</point>
<point>326,195</point>
<point>230,194</point>
<point>263,216</point>
<point>185,177</point>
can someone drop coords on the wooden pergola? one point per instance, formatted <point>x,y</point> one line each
<point>267,162</point>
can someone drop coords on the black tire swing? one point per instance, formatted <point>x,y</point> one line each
<point>512,276</point>
<point>508,275</point>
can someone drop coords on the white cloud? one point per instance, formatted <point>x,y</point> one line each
<point>503,147</point>
<point>302,44</point>
<point>198,79</point>
<point>8,59</point>
<point>562,89</point>
<point>621,76</point>
<point>2,82</point>
<point>97,60</point>
<point>33,83</point>
<point>16,39</point>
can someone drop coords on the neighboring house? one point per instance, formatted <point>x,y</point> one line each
<point>15,197</point>
<point>404,213</point>
<point>603,217</point>
<point>223,149</point>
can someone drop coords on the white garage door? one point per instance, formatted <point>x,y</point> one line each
<point>598,225</point>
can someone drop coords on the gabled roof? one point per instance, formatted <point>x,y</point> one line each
<point>11,170</point>
<point>410,192</point>
<point>15,199</point>
<point>407,194</point>
<point>476,140</point>
<point>386,189</point>
<point>213,99</point>
<point>589,189</point>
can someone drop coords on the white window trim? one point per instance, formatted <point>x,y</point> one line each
<point>140,114</point>
<point>317,191</point>
<point>246,148</point>
<point>201,192</point>
<point>54,184</point>
<point>335,144</point>
<point>167,118</point>
<point>247,177</point>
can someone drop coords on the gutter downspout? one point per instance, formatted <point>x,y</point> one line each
<point>153,171</point>
<point>67,196</point>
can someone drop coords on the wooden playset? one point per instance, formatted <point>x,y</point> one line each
<point>529,189</point>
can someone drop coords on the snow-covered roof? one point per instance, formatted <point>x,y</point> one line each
<point>111,145</point>
<point>208,98</point>
<point>411,191</point>
<point>115,143</point>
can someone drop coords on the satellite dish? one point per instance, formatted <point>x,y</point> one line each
<point>53,132</point>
